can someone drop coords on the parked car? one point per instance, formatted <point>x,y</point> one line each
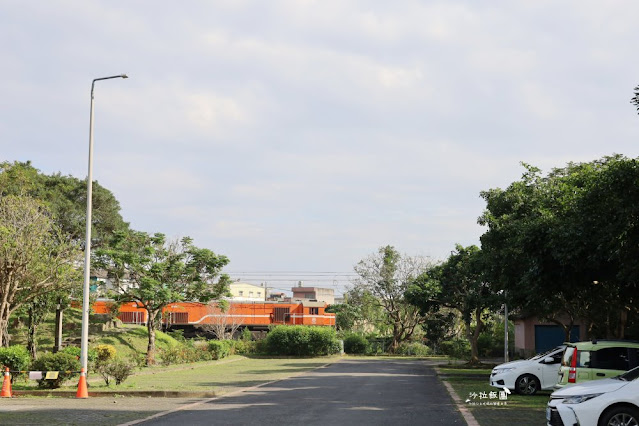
<point>531,375</point>
<point>594,360</point>
<point>607,402</point>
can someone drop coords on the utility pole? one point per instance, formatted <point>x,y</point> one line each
<point>505,333</point>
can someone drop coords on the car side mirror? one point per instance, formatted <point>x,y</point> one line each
<point>549,360</point>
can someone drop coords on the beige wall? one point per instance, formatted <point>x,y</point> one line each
<point>244,291</point>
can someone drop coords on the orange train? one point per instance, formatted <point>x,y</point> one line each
<point>253,315</point>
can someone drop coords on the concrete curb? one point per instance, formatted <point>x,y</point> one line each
<point>465,412</point>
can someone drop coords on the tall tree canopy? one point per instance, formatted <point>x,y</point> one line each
<point>66,199</point>
<point>35,257</point>
<point>153,272</point>
<point>386,275</point>
<point>562,244</point>
<point>460,284</point>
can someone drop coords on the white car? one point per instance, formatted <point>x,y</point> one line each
<point>605,402</point>
<point>526,377</point>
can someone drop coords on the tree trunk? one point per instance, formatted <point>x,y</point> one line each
<point>623,319</point>
<point>31,334</point>
<point>4,324</point>
<point>150,325</point>
<point>473,337</point>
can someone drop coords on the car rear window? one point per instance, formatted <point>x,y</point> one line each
<point>567,359</point>
<point>583,358</point>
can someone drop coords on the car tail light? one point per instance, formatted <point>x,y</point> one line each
<point>572,372</point>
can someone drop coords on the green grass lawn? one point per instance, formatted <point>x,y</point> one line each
<point>472,384</point>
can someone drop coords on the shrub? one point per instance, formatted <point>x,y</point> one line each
<point>66,364</point>
<point>412,349</point>
<point>246,336</point>
<point>456,348</point>
<point>219,348</point>
<point>116,368</point>
<point>104,353</point>
<point>76,351</point>
<point>244,347</point>
<point>355,344</point>
<point>302,341</point>
<point>15,357</point>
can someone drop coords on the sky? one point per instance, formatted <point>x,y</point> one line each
<point>297,137</point>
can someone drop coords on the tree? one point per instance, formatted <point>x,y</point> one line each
<point>635,99</point>
<point>225,319</point>
<point>567,243</point>
<point>65,199</point>
<point>386,275</point>
<point>154,272</point>
<point>35,258</point>
<point>459,283</point>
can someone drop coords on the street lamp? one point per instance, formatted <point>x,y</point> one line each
<point>84,348</point>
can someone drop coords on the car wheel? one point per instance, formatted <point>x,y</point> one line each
<point>620,416</point>
<point>527,385</point>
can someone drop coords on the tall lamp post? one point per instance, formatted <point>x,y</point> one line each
<point>84,348</point>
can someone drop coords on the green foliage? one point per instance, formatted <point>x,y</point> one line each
<point>66,364</point>
<point>76,351</point>
<point>185,352</point>
<point>116,368</point>
<point>413,349</point>
<point>456,348</point>
<point>356,344</point>
<point>220,348</point>
<point>247,336</point>
<point>567,242</point>
<point>302,341</point>
<point>385,277</point>
<point>104,352</point>
<point>162,271</point>
<point>15,357</point>
<point>244,347</point>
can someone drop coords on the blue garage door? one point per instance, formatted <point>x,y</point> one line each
<point>549,336</point>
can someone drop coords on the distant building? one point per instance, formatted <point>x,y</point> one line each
<point>278,297</point>
<point>247,292</point>
<point>326,295</point>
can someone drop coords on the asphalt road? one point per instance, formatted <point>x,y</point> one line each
<point>353,392</point>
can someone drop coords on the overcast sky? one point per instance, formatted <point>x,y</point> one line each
<point>303,135</point>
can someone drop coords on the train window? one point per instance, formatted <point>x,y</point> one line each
<point>313,311</point>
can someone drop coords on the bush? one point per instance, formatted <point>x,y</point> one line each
<point>219,348</point>
<point>16,357</point>
<point>116,368</point>
<point>456,348</point>
<point>66,364</point>
<point>104,353</point>
<point>412,349</point>
<point>244,347</point>
<point>302,341</point>
<point>355,344</point>
<point>76,351</point>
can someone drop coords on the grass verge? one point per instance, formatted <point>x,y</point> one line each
<point>483,400</point>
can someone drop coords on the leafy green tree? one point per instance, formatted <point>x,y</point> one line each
<point>65,199</point>
<point>153,272</point>
<point>35,258</point>
<point>566,243</point>
<point>460,284</point>
<point>386,275</point>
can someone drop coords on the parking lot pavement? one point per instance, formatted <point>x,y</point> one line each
<point>91,411</point>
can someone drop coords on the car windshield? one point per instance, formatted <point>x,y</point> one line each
<point>629,375</point>
<point>543,355</point>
